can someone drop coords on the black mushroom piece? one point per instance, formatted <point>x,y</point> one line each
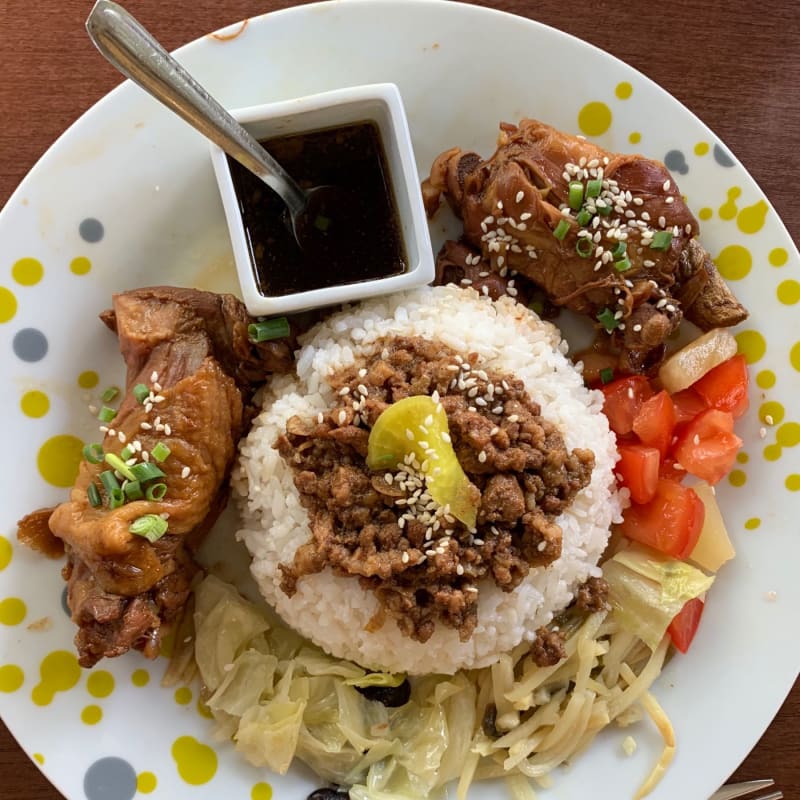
<point>328,793</point>
<point>390,696</point>
<point>606,235</point>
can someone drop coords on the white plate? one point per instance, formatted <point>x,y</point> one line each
<point>130,188</point>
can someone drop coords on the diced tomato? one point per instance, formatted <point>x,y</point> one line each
<point>725,386</point>
<point>638,469</point>
<point>623,399</point>
<point>670,523</point>
<point>688,404</point>
<point>671,470</point>
<point>683,628</point>
<point>655,421</point>
<point>707,446</point>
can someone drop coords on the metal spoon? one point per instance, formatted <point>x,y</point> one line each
<point>137,54</point>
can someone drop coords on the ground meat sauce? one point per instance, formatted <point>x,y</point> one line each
<point>425,569</point>
<point>592,595</point>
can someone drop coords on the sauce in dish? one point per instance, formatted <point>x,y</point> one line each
<point>357,240</point>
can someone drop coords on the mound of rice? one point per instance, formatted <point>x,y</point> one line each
<point>334,611</point>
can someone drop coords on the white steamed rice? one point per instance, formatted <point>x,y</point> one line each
<point>334,611</point>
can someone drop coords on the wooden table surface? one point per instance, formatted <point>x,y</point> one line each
<point>736,65</point>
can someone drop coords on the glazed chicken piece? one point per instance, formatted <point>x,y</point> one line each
<point>606,235</point>
<point>192,351</point>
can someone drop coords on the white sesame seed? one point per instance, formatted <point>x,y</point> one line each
<point>153,376</point>
<point>409,435</point>
<point>344,390</point>
<point>670,200</point>
<point>320,418</point>
<point>666,185</point>
<point>497,410</point>
<point>168,430</point>
<point>762,432</point>
<point>342,417</point>
<point>145,455</point>
<point>362,390</point>
<point>185,472</point>
<point>637,327</point>
<point>145,426</point>
<point>404,557</point>
<point>648,263</point>
<point>769,419</point>
<point>482,456</point>
<point>662,221</point>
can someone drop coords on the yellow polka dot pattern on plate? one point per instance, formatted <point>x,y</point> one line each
<point>183,696</point>
<point>635,137</point>
<point>12,611</point>
<point>742,457</point>
<point>788,434</point>
<point>771,412</point>
<point>91,715</point>
<point>100,683</point>
<point>34,404</point>
<point>751,219</point>
<point>11,678</point>
<point>701,148</point>
<point>778,256</point>
<point>734,262</point>
<point>772,452</point>
<point>59,672</point>
<point>737,478</point>
<point>27,271</point>
<point>38,758</point>
<point>794,356</point>
<point>624,90</point>
<point>196,762</point>
<point>705,213</point>
<point>58,460</point>
<point>594,119</point>
<point>729,209</point>
<point>788,292</point>
<point>752,523</point>
<point>203,710</point>
<point>140,677</point>
<point>261,791</point>
<point>792,482</point>
<point>766,379</point>
<point>752,345</point>
<point>88,379</point>
<point>146,782</point>
<point>8,304</point>
<point>6,553</point>
<point>80,265</point>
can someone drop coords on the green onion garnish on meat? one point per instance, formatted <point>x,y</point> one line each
<point>661,240</point>
<point>93,493</point>
<point>607,319</point>
<point>619,250</point>
<point>623,264</point>
<point>145,471</point>
<point>126,452</point>
<point>116,498</point>
<point>141,392</point>
<point>605,209</point>
<point>584,217</point>
<point>268,329</point>
<point>606,375</point>
<point>561,230</point>
<point>575,198</point>
<point>133,490</point>
<point>584,246</point>
<point>109,394</point>
<point>150,526</point>
<point>93,453</point>
<point>160,452</point>
<point>120,466</point>
<point>156,491</point>
<point>109,481</point>
<point>594,187</point>
<point>106,414</point>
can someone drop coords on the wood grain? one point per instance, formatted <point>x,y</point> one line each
<point>735,65</point>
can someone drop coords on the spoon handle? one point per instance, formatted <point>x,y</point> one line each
<point>138,55</point>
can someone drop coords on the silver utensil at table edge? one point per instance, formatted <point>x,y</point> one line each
<point>734,790</point>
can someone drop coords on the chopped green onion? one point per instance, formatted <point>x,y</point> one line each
<point>160,452</point>
<point>604,210</point>
<point>156,491</point>
<point>661,240</point>
<point>594,187</point>
<point>623,264</point>
<point>607,375</point>
<point>126,452</point>
<point>150,526</point>
<point>322,223</point>
<point>619,250</point>
<point>93,493</point>
<point>141,392</point>
<point>109,394</point>
<point>109,481</point>
<point>93,453</point>
<point>561,229</point>
<point>116,498</point>
<point>575,195</point>
<point>584,246</point>
<point>106,414</point>
<point>145,471</point>
<point>607,319</point>
<point>584,217</point>
<point>268,329</point>
<point>120,466</point>
<point>133,490</point>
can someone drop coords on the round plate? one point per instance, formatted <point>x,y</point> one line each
<point>127,198</point>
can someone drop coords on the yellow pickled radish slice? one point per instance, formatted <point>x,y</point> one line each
<point>418,425</point>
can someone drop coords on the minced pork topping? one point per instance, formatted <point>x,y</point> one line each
<point>384,528</point>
